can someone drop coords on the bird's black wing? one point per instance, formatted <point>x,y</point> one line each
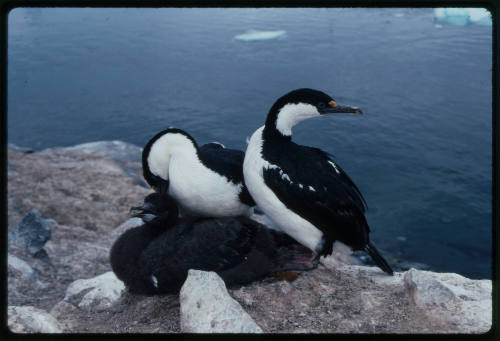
<point>229,163</point>
<point>312,185</point>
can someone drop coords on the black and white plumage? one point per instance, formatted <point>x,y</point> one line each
<point>301,189</point>
<point>155,258</point>
<point>205,181</point>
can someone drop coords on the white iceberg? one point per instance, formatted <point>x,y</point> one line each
<point>463,16</point>
<point>257,35</point>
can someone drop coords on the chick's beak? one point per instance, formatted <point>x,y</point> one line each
<point>141,211</point>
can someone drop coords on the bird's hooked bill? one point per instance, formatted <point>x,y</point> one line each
<point>334,108</point>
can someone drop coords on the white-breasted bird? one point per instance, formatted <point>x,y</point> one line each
<point>302,189</point>
<point>205,181</point>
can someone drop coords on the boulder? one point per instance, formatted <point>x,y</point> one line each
<point>28,319</point>
<point>32,232</point>
<point>452,298</point>
<point>96,293</point>
<point>426,291</point>
<point>206,307</point>
<point>128,224</point>
<point>20,268</point>
<point>113,150</point>
<point>20,149</point>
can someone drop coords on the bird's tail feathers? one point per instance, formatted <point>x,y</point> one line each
<point>378,259</point>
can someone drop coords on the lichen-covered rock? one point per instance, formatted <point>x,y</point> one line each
<point>96,293</point>
<point>27,319</point>
<point>206,307</point>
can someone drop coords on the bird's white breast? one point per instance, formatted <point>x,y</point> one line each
<point>201,191</point>
<point>287,220</point>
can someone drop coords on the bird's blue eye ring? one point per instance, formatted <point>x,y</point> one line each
<point>321,105</point>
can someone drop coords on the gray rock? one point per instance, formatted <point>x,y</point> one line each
<point>452,298</point>
<point>206,307</point>
<point>138,179</point>
<point>423,290</point>
<point>66,314</point>
<point>28,319</point>
<point>19,148</point>
<point>128,224</point>
<point>32,232</point>
<point>98,293</point>
<point>114,150</point>
<point>62,309</point>
<point>21,267</point>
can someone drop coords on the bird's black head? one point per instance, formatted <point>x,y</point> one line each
<point>301,104</point>
<point>157,208</point>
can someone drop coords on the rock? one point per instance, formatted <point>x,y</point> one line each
<point>66,314</point>
<point>21,267</point>
<point>62,309</point>
<point>128,224</point>
<point>452,298</point>
<point>424,291</point>
<point>20,149</point>
<point>32,232</point>
<point>28,319</point>
<point>367,301</point>
<point>114,150</point>
<point>137,178</point>
<point>206,307</point>
<point>243,296</point>
<point>89,196</point>
<point>96,293</point>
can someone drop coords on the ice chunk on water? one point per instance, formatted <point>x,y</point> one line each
<point>463,16</point>
<point>256,35</point>
<point>480,16</point>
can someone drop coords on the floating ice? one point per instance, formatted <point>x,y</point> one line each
<point>463,16</point>
<point>257,35</point>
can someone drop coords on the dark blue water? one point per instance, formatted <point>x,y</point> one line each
<point>421,153</point>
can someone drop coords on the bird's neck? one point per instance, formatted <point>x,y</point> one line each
<point>271,132</point>
<point>281,119</point>
<point>167,148</point>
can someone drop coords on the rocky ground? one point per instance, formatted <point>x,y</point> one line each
<point>59,277</point>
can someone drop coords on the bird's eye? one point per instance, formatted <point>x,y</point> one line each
<point>321,105</point>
